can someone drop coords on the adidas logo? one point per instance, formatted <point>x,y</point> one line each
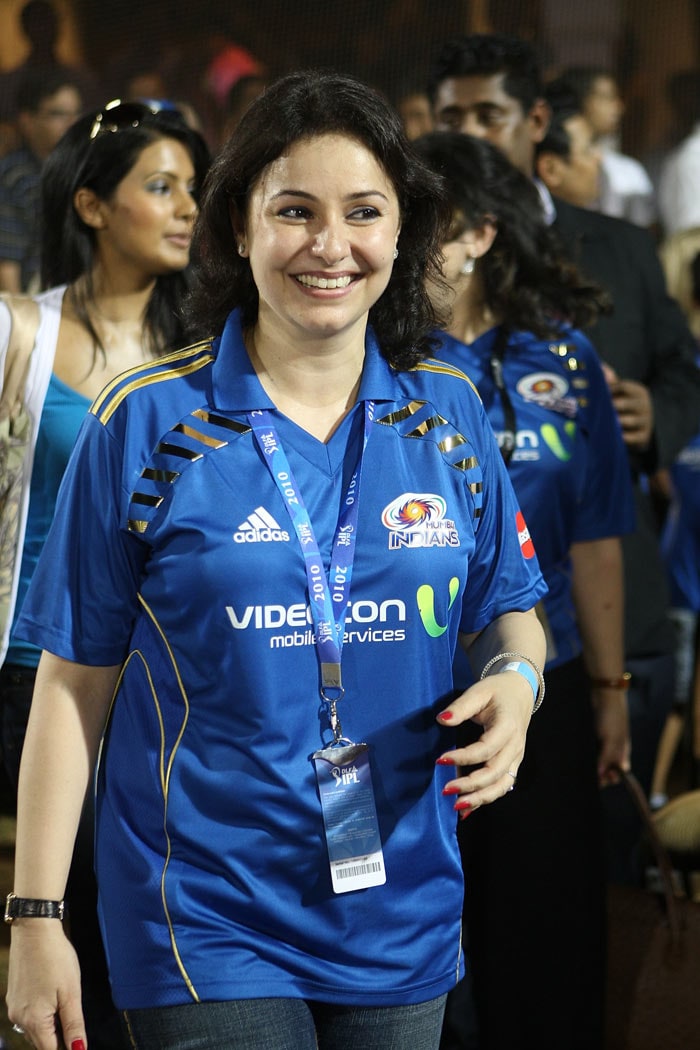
<point>260,527</point>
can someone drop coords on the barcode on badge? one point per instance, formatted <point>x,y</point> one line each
<point>358,869</point>
<point>358,873</point>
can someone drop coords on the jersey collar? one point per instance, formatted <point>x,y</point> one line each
<point>236,388</point>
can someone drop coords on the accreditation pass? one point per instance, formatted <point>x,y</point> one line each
<point>350,817</point>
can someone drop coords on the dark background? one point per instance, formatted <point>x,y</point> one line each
<point>391,42</point>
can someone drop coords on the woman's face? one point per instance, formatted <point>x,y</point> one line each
<point>320,232</point>
<point>147,222</point>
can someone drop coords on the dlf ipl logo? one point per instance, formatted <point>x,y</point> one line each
<point>417,519</point>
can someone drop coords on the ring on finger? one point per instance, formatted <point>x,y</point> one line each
<point>515,779</point>
<point>18,1029</point>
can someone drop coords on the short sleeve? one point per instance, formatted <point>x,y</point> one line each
<point>83,597</point>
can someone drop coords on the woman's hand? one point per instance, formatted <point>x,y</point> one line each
<point>43,993</point>
<point>501,703</point>
<point>612,726</point>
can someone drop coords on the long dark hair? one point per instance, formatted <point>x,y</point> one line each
<point>68,245</point>
<point>303,106</point>
<point>527,281</point>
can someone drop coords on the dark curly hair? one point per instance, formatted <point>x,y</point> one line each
<point>527,281</point>
<point>68,245</point>
<point>301,106</point>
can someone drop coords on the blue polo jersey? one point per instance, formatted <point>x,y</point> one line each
<point>681,535</point>
<point>569,469</point>
<point>173,555</point>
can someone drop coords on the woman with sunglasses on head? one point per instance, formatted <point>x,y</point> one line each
<point>303,516</point>
<point>118,204</point>
<point>534,865</point>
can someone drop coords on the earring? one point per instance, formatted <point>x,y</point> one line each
<point>241,248</point>
<point>468,266</point>
<point>396,253</point>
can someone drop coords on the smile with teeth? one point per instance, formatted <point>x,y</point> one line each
<point>309,281</point>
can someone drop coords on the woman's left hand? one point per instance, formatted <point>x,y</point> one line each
<point>612,725</point>
<point>502,704</point>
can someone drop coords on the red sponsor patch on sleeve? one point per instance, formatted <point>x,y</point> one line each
<point>526,544</point>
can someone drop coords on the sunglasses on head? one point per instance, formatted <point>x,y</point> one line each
<point>117,115</point>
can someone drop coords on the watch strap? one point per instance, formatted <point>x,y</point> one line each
<point>623,682</point>
<point>32,908</point>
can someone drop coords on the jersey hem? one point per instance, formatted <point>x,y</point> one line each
<point>127,998</point>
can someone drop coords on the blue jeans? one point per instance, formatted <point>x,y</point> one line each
<point>286,1024</point>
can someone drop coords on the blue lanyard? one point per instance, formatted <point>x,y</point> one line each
<point>328,593</point>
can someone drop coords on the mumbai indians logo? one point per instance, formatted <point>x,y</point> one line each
<point>418,520</point>
<point>425,597</point>
<point>548,390</point>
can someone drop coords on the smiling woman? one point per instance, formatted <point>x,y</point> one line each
<point>320,232</point>
<point>306,517</point>
<point>339,231</point>
<point>403,315</point>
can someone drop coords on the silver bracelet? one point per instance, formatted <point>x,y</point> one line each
<point>519,656</point>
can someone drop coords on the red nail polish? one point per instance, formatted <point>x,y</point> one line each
<point>451,789</point>
<point>444,761</point>
<point>446,716</point>
<point>465,813</point>
<point>463,805</point>
<point>77,1044</point>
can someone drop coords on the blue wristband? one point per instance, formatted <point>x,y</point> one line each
<point>526,671</point>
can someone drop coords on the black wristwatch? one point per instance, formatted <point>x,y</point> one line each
<point>32,908</point>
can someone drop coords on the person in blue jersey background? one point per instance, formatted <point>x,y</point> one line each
<point>288,525</point>
<point>534,914</point>
<point>119,198</point>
